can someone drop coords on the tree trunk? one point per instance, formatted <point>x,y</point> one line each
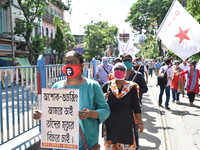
<point>160,48</point>
<point>32,59</point>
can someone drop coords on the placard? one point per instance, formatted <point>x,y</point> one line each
<point>59,121</point>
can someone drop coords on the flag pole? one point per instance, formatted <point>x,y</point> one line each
<point>154,39</point>
<point>166,16</point>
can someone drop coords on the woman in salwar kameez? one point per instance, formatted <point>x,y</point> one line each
<point>123,99</point>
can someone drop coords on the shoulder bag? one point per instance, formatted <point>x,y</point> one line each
<point>95,147</point>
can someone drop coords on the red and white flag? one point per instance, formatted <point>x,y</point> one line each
<point>180,32</point>
<point>121,47</point>
<point>127,48</point>
<point>131,49</point>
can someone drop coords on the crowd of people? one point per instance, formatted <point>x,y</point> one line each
<point>115,99</point>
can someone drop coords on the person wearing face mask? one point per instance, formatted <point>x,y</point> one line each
<point>92,104</point>
<point>184,66</point>
<point>167,68</point>
<point>123,99</point>
<point>193,76</point>
<point>177,83</point>
<point>137,77</point>
<point>103,71</point>
<point>142,69</point>
<point>134,76</point>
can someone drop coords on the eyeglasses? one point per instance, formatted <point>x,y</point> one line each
<point>125,60</point>
<point>73,62</point>
<point>119,69</point>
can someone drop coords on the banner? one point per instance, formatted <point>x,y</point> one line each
<point>127,48</point>
<point>180,32</point>
<point>59,122</point>
<point>131,49</point>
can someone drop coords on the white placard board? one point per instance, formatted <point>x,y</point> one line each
<point>59,121</point>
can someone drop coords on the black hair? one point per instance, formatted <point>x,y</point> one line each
<point>76,54</point>
<point>167,61</point>
<point>118,59</point>
<point>193,63</point>
<point>126,55</point>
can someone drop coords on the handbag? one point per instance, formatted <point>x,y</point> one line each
<point>95,147</point>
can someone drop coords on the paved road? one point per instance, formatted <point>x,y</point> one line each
<point>174,129</point>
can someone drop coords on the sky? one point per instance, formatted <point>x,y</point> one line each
<point>113,11</point>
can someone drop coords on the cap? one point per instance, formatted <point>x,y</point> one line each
<point>104,58</point>
<point>119,64</point>
<point>176,61</point>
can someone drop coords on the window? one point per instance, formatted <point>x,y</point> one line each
<point>51,33</point>
<point>2,20</point>
<point>51,10</point>
<point>42,31</point>
<point>47,32</point>
<point>38,30</point>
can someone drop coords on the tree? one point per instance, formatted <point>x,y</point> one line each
<point>38,44</point>
<point>66,31</point>
<point>31,9</point>
<point>147,15</point>
<point>59,45</point>
<point>194,9</point>
<point>148,51</point>
<point>97,37</point>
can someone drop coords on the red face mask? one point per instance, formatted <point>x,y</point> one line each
<point>119,75</point>
<point>191,67</point>
<point>71,71</point>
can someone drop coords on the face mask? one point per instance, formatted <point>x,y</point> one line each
<point>139,62</point>
<point>71,71</point>
<point>119,75</point>
<point>191,67</point>
<point>128,65</point>
<point>105,62</point>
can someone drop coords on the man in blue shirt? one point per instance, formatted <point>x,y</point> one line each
<point>157,67</point>
<point>103,70</point>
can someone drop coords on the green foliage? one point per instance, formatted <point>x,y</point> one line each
<point>147,15</point>
<point>97,37</point>
<point>148,51</point>
<point>66,31</point>
<point>194,9</point>
<point>31,9</point>
<point>38,44</point>
<point>59,45</point>
<point>139,18</point>
<point>5,6</point>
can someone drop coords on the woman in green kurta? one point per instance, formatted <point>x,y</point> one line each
<point>93,106</point>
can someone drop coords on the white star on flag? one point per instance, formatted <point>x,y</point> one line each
<point>180,32</point>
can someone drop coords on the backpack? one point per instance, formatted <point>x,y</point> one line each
<point>162,78</point>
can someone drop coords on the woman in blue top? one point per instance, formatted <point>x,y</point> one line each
<point>93,106</point>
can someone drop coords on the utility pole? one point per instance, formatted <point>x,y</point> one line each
<point>12,40</point>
